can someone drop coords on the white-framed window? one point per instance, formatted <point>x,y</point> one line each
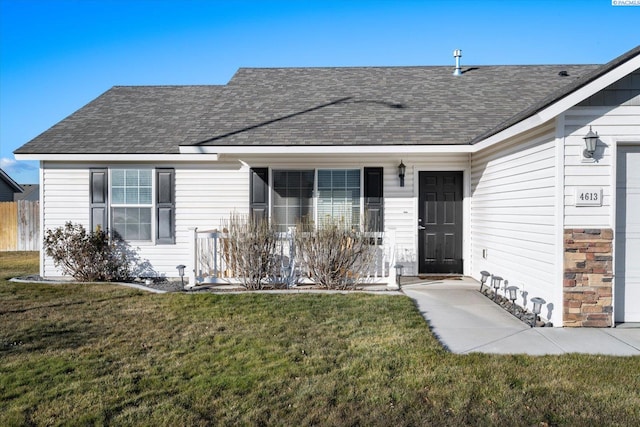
<point>132,203</point>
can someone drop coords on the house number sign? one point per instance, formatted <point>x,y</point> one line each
<point>589,196</point>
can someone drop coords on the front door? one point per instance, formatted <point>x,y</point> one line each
<point>440,223</point>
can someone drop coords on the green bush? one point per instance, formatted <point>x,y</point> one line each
<point>88,256</point>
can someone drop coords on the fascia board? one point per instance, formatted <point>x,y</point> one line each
<point>119,157</point>
<point>330,149</point>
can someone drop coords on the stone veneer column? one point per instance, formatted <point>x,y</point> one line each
<point>588,277</point>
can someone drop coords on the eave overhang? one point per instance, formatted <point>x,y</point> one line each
<point>324,149</point>
<point>209,157</point>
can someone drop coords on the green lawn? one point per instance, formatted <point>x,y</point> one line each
<point>104,354</point>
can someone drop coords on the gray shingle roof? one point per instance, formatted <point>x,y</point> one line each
<point>128,119</point>
<point>317,106</point>
<point>374,105</point>
<point>559,94</point>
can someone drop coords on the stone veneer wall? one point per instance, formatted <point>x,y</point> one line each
<point>588,277</point>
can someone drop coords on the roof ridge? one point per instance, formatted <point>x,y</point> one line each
<point>167,86</point>
<point>352,67</point>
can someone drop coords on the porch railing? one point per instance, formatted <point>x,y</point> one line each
<point>209,254</point>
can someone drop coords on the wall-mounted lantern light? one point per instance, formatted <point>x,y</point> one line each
<point>537,308</point>
<point>590,142</point>
<point>401,170</point>
<point>180,269</point>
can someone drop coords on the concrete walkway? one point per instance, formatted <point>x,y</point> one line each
<point>465,321</point>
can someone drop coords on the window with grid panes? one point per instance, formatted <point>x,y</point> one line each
<point>132,203</point>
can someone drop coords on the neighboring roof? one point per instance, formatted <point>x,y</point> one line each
<point>317,107</point>
<point>14,185</point>
<point>31,192</point>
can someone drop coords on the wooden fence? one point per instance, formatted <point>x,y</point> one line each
<point>20,226</point>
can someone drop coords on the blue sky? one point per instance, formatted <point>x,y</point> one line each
<point>57,55</point>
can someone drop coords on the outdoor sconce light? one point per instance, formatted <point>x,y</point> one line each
<point>181,272</point>
<point>495,283</point>
<point>590,141</point>
<point>513,295</point>
<point>483,279</point>
<point>401,170</point>
<point>537,308</point>
<point>399,268</point>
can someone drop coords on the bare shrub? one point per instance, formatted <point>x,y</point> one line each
<point>337,257</point>
<point>249,250</point>
<point>88,256</point>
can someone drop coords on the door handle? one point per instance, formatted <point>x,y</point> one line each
<point>422,227</point>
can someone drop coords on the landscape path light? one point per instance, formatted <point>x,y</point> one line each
<point>513,295</point>
<point>537,308</point>
<point>483,279</point>
<point>180,269</point>
<point>495,283</point>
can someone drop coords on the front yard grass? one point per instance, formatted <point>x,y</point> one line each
<point>105,354</point>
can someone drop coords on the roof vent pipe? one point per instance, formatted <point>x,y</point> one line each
<point>457,54</point>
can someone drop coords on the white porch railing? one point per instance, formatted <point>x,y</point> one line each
<point>209,255</point>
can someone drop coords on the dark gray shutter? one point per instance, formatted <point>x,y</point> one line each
<point>374,198</point>
<point>99,191</point>
<point>165,206</point>
<point>259,193</point>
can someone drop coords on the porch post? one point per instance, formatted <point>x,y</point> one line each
<point>193,236</point>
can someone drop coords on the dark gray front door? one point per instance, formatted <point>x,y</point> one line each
<point>440,222</point>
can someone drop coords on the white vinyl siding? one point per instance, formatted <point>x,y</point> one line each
<point>207,193</point>
<point>205,197</point>
<point>613,125</point>
<point>513,215</point>
<point>65,197</point>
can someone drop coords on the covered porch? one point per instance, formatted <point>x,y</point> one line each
<point>213,263</point>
